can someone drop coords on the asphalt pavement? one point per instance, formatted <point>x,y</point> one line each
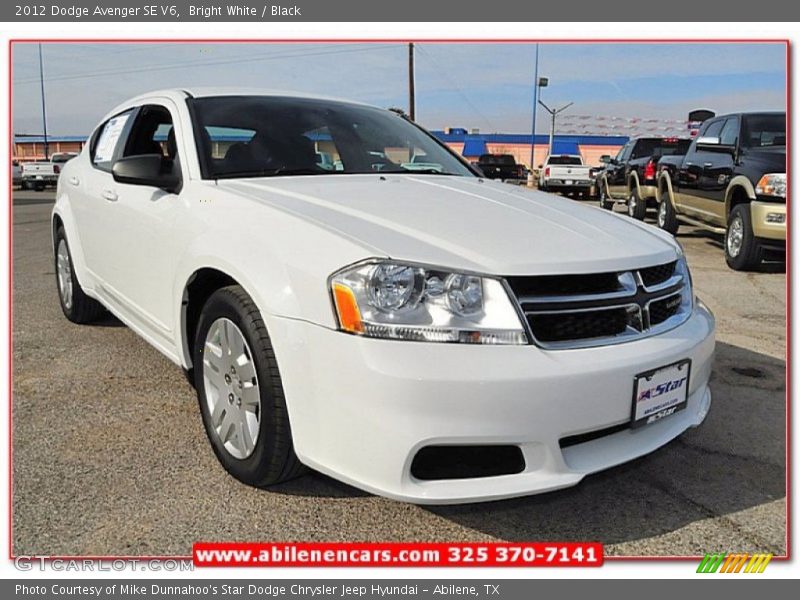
<point>110,456</point>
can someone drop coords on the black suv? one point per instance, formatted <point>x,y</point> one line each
<point>732,181</point>
<point>630,177</point>
<point>500,166</point>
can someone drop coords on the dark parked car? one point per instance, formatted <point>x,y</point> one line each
<point>630,177</point>
<point>501,166</point>
<point>732,180</point>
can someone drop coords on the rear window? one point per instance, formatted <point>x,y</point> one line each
<point>764,130</point>
<point>497,159</point>
<point>660,147</point>
<point>565,160</point>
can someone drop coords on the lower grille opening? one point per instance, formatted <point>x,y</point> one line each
<point>578,325</point>
<point>574,440</point>
<point>466,462</point>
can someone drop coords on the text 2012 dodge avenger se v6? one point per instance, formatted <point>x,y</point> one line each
<point>347,293</point>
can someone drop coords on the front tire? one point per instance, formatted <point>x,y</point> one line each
<point>742,250</point>
<point>637,207</point>
<point>240,391</point>
<point>666,218</point>
<point>75,304</point>
<point>603,198</point>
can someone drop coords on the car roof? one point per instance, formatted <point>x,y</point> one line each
<point>179,94</point>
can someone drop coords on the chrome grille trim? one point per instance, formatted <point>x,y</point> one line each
<point>633,296</point>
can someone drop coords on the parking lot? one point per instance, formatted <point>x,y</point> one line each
<point>110,456</point>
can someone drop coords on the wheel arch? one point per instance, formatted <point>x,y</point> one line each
<point>61,216</point>
<point>665,185</point>
<point>740,191</point>
<point>197,289</point>
<point>633,181</point>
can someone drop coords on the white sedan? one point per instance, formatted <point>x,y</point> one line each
<point>423,334</point>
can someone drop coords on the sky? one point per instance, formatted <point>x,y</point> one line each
<point>484,86</point>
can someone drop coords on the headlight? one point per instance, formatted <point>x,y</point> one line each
<point>687,293</point>
<point>388,299</point>
<point>772,184</point>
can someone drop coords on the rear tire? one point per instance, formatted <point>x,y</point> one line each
<point>75,304</point>
<point>666,218</point>
<point>249,431</point>
<point>742,250</point>
<point>637,207</point>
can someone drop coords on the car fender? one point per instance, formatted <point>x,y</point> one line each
<point>665,184</point>
<point>604,184</point>
<point>633,180</point>
<point>63,210</point>
<point>739,181</point>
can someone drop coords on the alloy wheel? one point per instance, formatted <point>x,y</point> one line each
<point>662,214</point>
<point>632,205</point>
<point>64,273</point>
<point>231,388</point>
<point>735,236</point>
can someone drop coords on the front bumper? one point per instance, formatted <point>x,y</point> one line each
<point>769,220</point>
<point>361,408</point>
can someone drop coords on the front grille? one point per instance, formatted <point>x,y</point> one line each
<point>663,309</point>
<point>555,285</point>
<point>572,311</point>
<point>560,327</point>
<point>659,274</point>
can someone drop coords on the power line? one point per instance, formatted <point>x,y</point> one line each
<point>204,63</point>
<point>443,72</point>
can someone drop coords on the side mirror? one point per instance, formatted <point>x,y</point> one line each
<point>714,144</point>
<point>147,169</point>
<point>605,159</point>
<point>707,141</point>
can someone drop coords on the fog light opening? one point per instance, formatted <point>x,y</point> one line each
<point>466,462</point>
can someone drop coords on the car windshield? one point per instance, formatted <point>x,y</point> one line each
<point>564,160</point>
<point>269,136</point>
<point>764,130</point>
<point>660,147</point>
<point>497,159</point>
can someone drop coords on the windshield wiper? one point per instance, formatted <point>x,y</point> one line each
<point>420,172</point>
<point>272,172</point>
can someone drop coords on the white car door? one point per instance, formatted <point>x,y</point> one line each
<point>138,242</point>
<point>88,187</point>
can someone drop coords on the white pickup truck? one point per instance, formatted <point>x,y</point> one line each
<point>565,173</point>
<point>38,175</point>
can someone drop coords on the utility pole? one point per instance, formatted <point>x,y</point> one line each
<point>44,106</point>
<point>533,118</point>
<point>411,100</point>
<point>553,113</point>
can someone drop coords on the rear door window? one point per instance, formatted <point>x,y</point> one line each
<point>108,140</point>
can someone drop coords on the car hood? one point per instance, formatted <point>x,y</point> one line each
<point>463,222</point>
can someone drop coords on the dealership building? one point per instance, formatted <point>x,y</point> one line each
<point>470,145</point>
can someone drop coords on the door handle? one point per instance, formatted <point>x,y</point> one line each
<point>708,164</point>
<point>688,163</point>
<point>74,181</point>
<point>109,195</point>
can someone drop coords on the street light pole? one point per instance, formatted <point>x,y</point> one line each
<point>44,107</point>
<point>553,113</point>
<point>535,100</point>
<point>411,91</point>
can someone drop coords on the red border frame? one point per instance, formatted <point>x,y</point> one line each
<point>785,41</point>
